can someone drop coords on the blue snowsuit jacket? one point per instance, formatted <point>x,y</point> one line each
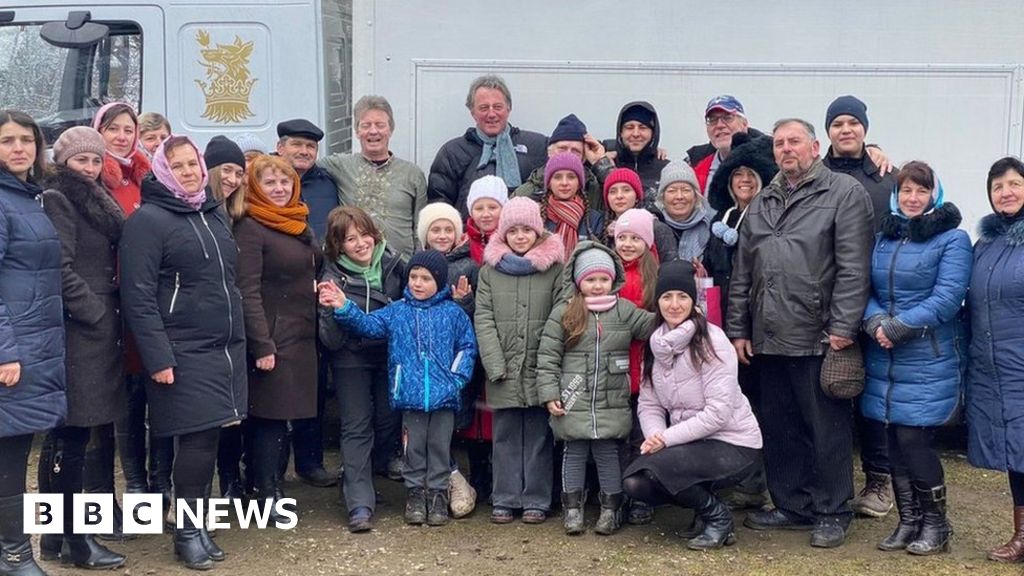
<point>431,348</point>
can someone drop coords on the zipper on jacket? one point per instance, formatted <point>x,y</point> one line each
<point>200,236</point>
<point>227,296</point>
<point>892,309</point>
<point>174,296</point>
<point>597,363</point>
<point>398,382</point>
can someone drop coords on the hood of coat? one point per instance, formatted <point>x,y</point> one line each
<point>547,252</point>
<point>995,225</point>
<point>652,147</point>
<point>569,284</point>
<point>754,153</point>
<point>459,252</point>
<point>153,192</point>
<point>92,201</point>
<point>944,218</point>
<point>12,183</point>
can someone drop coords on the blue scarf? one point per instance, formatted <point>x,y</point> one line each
<point>501,149</point>
<point>515,265</point>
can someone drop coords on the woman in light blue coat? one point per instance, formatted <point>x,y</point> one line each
<point>920,269</point>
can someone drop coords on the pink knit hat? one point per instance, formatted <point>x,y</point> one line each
<point>563,161</point>
<point>520,211</point>
<point>629,177</point>
<point>639,222</point>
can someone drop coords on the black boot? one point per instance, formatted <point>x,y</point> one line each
<point>572,512</point>
<point>212,550</point>
<point>935,529</point>
<point>611,513</point>
<point>416,506</point>
<point>15,546</point>
<point>85,552</point>
<point>98,476</point>
<point>49,544</point>
<point>437,507</point>
<point>910,515</point>
<point>718,526</point>
<point>188,540</point>
<point>161,463</point>
<point>130,437</point>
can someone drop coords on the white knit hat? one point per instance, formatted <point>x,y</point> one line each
<point>433,212</point>
<point>487,187</point>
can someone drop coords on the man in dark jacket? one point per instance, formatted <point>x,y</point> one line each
<point>638,132</point>
<point>571,136</point>
<point>723,117</point>
<point>492,147</point>
<point>298,144</point>
<point>847,123</point>
<point>800,284</point>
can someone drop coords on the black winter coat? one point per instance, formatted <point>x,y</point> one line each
<point>89,223</point>
<point>355,351</point>
<point>864,171</point>
<point>182,305</point>
<point>31,324</point>
<point>454,167</point>
<point>645,163</point>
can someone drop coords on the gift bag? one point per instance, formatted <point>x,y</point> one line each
<point>713,301</point>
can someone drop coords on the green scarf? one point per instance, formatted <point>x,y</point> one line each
<point>372,273</point>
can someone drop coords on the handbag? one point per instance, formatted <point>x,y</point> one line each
<point>842,372</point>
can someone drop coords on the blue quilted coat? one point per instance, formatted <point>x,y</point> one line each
<point>431,348</point>
<point>31,311</point>
<point>995,379</point>
<point>919,274</point>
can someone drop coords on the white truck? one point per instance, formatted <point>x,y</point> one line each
<point>941,79</point>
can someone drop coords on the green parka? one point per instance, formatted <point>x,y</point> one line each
<point>510,314</point>
<point>591,379</point>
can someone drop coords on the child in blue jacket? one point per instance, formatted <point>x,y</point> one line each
<point>431,353</point>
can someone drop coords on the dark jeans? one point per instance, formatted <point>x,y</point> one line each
<point>428,441</point>
<point>808,439</point>
<point>606,459</point>
<point>912,454</point>
<point>874,444</point>
<point>522,458</point>
<point>14,464</point>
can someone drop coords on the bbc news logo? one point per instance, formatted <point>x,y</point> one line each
<point>144,514</point>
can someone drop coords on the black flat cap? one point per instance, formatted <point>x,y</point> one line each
<point>300,127</point>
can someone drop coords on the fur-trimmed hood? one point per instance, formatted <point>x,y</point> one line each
<point>923,227</point>
<point>547,252</point>
<point>112,170</point>
<point>995,225</point>
<point>754,153</point>
<point>90,199</point>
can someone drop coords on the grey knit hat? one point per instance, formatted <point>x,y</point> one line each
<point>250,142</point>
<point>77,140</point>
<point>677,172</point>
<point>590,262</point>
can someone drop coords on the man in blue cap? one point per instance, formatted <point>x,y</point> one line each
<point>723,117</point>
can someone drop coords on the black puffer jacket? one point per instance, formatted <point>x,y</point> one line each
<point>89,223</point>
<point>454,167</point>
<point>864,171</point>
<point>356,351</point>
<point>645,163</point>
<point>182,304</point>
<point>31,327</point>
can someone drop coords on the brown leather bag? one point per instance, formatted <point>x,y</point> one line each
<point>842,372</point>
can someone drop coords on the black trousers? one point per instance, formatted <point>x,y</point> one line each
<point>1017,487</point>
<point>911,454</point>
<point>808,439</point>
<point>14,464</point>
<point>62,465</point>
<point>874,445</point>
<point>194,457</point>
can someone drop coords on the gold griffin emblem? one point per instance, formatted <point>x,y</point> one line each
<point>229,88</point>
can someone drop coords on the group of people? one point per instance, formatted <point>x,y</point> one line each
<point>542,301</point>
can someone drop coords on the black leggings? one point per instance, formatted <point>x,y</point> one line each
<point>194,457</point>
<point>911,454</point>
<point>1017,487</point>
<point>14,464</point>
<point>645,487</point>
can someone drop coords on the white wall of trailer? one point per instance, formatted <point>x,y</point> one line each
<point>941,78</point>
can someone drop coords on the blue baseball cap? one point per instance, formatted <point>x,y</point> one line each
<point>725,103</point>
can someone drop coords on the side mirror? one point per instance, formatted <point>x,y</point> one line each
<point>75,32</point>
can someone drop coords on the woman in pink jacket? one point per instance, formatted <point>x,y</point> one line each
<point>700,434</point>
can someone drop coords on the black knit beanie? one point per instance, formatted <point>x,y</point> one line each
<point>220,150</point>
<point>676,275</point>
<point>435,263</point>
<point>850,105</point>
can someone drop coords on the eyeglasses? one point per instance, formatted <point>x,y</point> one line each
<point>723,118</point>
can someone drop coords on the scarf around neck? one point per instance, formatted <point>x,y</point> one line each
<point>503,152</point>
<point>478,240</point>
<point>601,303</point>
<point>289,219</point>
<point>567,215</point>
<point>162,171</point>
<point>372,273</point>
<point>693,232</point>
<point>515,265</point>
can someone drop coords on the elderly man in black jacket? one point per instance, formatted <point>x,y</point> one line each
<point>800,284</point>
<point>492,147</point>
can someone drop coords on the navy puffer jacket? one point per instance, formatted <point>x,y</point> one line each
<point>995,379</point>
<point>31,312</point>
<point>919,274</point>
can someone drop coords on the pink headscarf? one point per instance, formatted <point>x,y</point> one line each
<point>162,172</point>
<point>98,120</point>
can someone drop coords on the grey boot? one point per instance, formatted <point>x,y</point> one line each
<point>572,511</point>
<point>611,513</point>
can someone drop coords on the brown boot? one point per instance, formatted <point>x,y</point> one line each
<point>1012,551</point>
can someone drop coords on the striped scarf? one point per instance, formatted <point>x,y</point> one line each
<point>567,215</point>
